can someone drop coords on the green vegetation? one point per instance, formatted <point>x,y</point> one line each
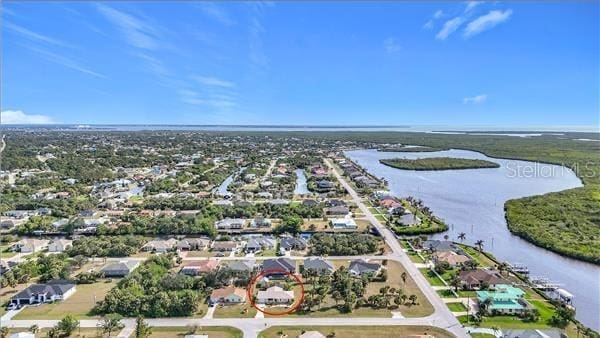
<point>212,331</point>
<point>323,244</point>
<point>438,163</point>
<point>355,331</point>
<point>456,307</point>
<point>106,246</point>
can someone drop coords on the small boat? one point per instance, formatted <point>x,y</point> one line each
<point>519,268</point>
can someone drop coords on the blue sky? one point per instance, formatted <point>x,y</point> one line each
<point>388,63</point>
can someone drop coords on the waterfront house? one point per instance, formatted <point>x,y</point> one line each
<point>437,245</point>
<point>505,299</point>
<point>260,243</point>
<point>275,295</point>
<point>228,295</point>
<point>119,269</point>
<point>44,293</point>
<point>450,257</point>
<point>475,279</point>
<point>408,219</point>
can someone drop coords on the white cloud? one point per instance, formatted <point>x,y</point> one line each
<point>19,117</point>
<point>217,13</point>
<point>33,36</point>
<point>213,81</point>
<point>472,4</point>
<point>391,45</point>
<point>475,99</point>
<point>438,14</point>
<point>64,61</point>
<point>136,31</point>
<point>486,22</point>
<point>449,27</point>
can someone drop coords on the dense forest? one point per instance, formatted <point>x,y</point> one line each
<point>438,163</point>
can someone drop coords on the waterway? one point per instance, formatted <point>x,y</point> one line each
<point>301,186</point>
<point>472,201</point>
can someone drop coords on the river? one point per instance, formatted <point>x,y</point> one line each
<point>301,186</point>
<point>472,201</point>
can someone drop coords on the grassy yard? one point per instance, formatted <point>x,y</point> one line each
<point>422,308</point>
<point>79,304</point>
<point>445,293</point>
<point>268,253</point>
<point>415,258</point>
<point>203,253</point>
<point>235,311</point>
<point>479,257</point>
<point>355,331</point>
<point>482,335</point>
<point>5,252</point>
<point>431,277</point>
<point>211,331</point>
<point>456,307</point>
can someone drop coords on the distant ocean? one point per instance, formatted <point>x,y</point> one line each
<point>522,131</point>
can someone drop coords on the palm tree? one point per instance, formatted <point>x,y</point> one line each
<point>479,244</point>
<point>462,236</point>
<point>455,282</point>
<point>34,329</point>
<point>413,299</point>
<point>403,277</point>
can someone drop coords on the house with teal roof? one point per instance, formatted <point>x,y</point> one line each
<point>505,299</point>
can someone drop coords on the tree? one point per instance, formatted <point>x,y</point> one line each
<point>455,282</point>
<point>3,332</point>
<point>462,236</point>
<point>34,329</point>
<point>403,277</point>
<point>111,323</point>
<point>142,330</point>
<point>479,244</point>
<point>413,299</point>
<point>68,325</point>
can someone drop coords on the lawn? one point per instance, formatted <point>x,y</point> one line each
<point>395,269</point>
<point>211,331</point>
<point>355,331</point>
<point>482,335</point>
<point>267,253</point>
<point>431,277</point>
<point>79,304</point>
<point>415,258</point>
<point>203,253</point>
<point>512,322</point>
<point>235,311</point>
<point>5,252</point>
<point>479,257</point>
<point>456,307</point>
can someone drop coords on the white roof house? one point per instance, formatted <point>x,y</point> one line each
<point>343,223</point>
<point>275,295</point>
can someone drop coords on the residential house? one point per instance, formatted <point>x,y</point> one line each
<point>343,223</point>
<point>361,267</point>
<point>324,185</point>
<point>505,299</point>
<point>44,293</point>
<point>337,211</point>
<point>60,245</point>
<point>191,244</point>
<point>30,245</point>
<point>320,265</point>
<point>160,245</point>
<point>261,222</point>
<point>265,195</point>
<point>275,295</point>
<point>310,203</point>
<point>437,245</point>
<point>450,257</point>
<point>279,266</point>
<point>195,268</point>
<point>228,295</point>
<point>225,246</point>
<point>408,219</point>
<point>335,203</point>
<point>260,243</point>
<point>230,223</point>
<point>475,279</point>
<point>242,265</point>
<point>289,243</point>
<point>119,269</point>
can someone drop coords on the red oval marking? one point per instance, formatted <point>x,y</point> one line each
<point>250,291</point>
